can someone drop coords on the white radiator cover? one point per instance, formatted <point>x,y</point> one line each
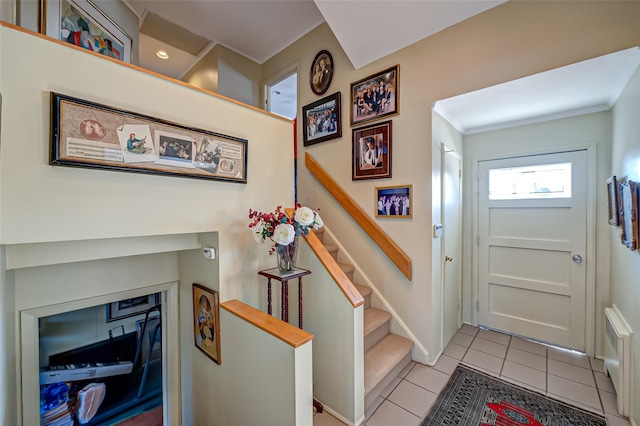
<point>617,357</point>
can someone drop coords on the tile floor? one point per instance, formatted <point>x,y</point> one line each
<point>574,378</point>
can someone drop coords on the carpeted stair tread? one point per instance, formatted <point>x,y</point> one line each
<point>363,290</point>
<point>346,267</point>
<point>382,358</point>
<point>332,249</point>
<point>374,318</point>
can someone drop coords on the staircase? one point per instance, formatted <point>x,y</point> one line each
<point>385,353</point>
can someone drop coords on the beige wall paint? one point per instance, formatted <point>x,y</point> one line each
<point>625,264</point>
<point>513,40</point>
<point>40,203</point>
<point>225,72</point>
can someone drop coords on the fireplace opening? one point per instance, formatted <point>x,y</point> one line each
<point>102,364</point>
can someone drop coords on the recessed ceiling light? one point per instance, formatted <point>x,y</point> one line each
<point>276,92</point>
<point>162,54</point>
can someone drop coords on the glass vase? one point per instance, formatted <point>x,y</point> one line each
<point>286,256</point>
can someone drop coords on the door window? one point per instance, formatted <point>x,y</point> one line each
<point>539,181</point>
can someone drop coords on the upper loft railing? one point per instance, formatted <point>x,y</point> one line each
<point>393,252</point>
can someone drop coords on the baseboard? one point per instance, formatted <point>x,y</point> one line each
<point>418,353</point>
<point>342,419</point>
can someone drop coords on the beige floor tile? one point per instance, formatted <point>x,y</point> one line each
<point>455,351</point>
<point>428,378</point>
<point>489,347</point>
<point>571,372</point>
<point>390,387</point>
<point>604,382</point>
<point>609,403</point>
<point>574,391</point>
<point>524,374</point>
<point>462,339</point>
<point>390,414</point>
<point>484,361</point>
<point>494,336</point>
<point>369,412</point>
<point>406,370</point>
<point>326,419</point>
<point>616,421</point>
<point>597,365</point>
<point>575,403</point>
<point>569,357</point>
<point>413,398</point>
<point>468,329</point>
<point>446,364</point>
<point>528,359</point>
<point>526,345</point>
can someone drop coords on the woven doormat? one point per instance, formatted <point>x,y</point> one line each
<point>473,398</point>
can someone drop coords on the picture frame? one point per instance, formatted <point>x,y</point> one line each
<point>613,209</point>
<point>90,135</point>
<point>322,120</point>
<point>375,96</point>
<point>131,307</point>
<point>371,151</point>
<point>629,215</point>
<point>206,321</point>
<point>321,72</point>
<point>394,201</point>
<point>83,24</point>
<point>147,345</point>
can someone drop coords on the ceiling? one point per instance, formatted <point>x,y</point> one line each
<point>259,29</point>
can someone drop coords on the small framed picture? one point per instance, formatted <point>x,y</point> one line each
<point>372,151</point>
<point>613,209</point>
<point>321,72</point>
<point>81,23</point>
<point>206,321</point>
<point>322,120</point>
<point>629,216</point>
<point>131,307</point>
<point>394,201</point>
<point>375,96</point>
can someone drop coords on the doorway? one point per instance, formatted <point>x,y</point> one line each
<point>532,244</point>
<point>281,95</point>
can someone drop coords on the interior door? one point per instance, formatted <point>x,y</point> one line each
<point>452,236</point>
<point>532,243</point>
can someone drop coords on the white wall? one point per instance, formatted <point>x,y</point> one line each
<point>551,135</point>
<point>625,264</point>
<point>40,203</point>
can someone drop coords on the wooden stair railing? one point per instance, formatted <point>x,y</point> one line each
<point>395,254</point>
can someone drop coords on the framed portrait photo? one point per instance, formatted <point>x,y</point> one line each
<point>131,307</point>
<point>375,96</point>
<point>321,72</point>
<point>83,24</point>
<point>372,151</point>
<point>206,321</point>
<point>322,120</point>
<point>394,201</point>
<point>613,208</point>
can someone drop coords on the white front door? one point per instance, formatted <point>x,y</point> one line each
<point>452,237</point>
<point>532,246</point>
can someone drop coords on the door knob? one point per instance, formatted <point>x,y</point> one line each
<point>448,259</point>
<point>577,258</point>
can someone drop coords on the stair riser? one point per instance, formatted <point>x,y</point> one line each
<point>376,335</point>
<point>370,397</point>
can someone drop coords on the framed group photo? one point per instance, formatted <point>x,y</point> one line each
<point>394,201</point>
<point>375,96</point>
<point>372,151</point>
<point>322,120</point>
<point>206,321</point>
<point>321,72</point>
<point>83,24</point>
<point>87,134</point>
